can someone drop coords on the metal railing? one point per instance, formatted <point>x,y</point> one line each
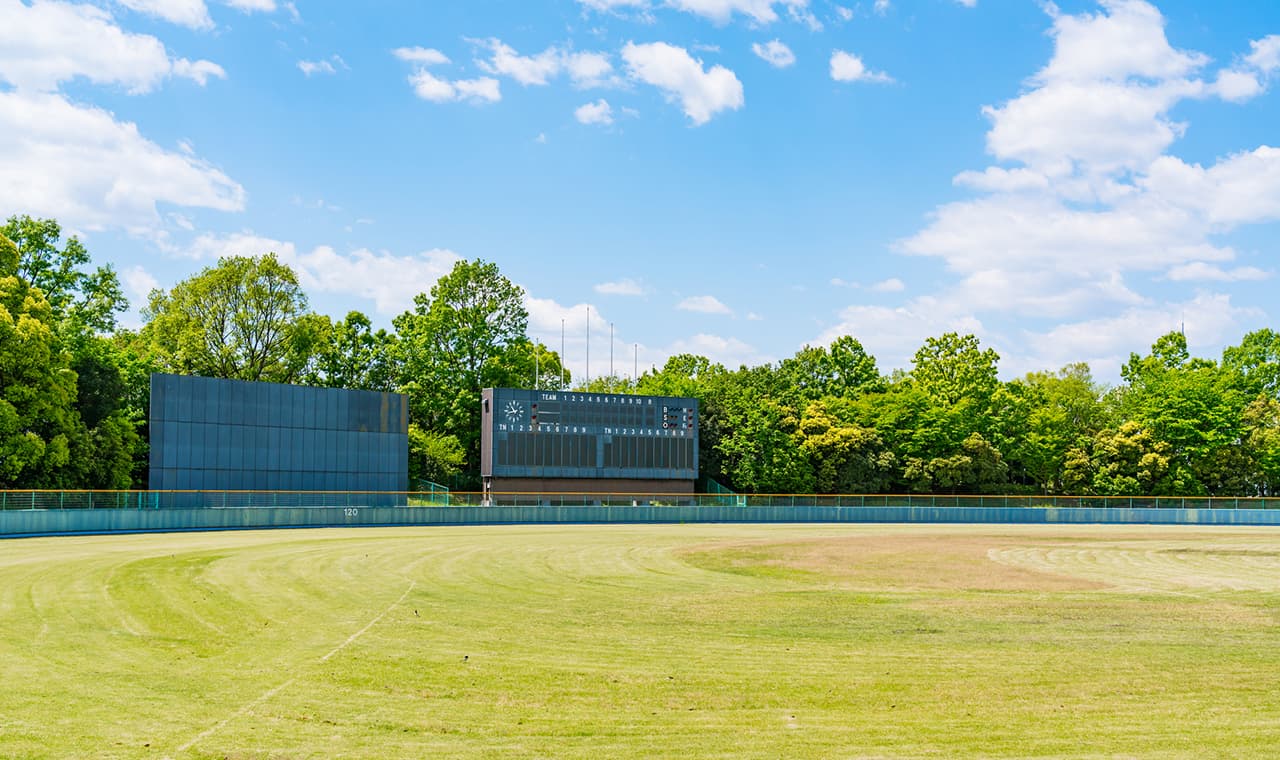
<point>69,499</point>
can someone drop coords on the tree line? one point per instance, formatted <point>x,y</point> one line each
<point>74,389</point>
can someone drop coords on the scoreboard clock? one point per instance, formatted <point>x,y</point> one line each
<point>559,434</point>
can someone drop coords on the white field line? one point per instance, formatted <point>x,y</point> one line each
<point>268,694</point>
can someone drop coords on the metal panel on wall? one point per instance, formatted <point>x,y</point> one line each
<point>215,434</point>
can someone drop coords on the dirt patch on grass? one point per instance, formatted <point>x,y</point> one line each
<point>889,563</point>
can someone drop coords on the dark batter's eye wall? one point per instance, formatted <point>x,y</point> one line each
<point>232,435</point>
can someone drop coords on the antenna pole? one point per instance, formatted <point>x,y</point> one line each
<point>587,377</point>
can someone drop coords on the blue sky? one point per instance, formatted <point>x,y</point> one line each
<point>736,178</point>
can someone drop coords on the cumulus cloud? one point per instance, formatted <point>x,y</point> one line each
<point>626,287</point>
<point>585,69</point>
<point>84,167</point>
<point>704,305</point>
<point>1203,271</point>
<point>701,93</point>
<point>195,13</point>
<point>775,53</point>
<point>388,280</point>
<point>598,112</point>
<point>330,66</point>
<point>847,67</point>
<point>1087,205</point>
<point>729,351</point>
<point>891,285</point>
<point>49,43</point>
<point>188,13</point>
<point>757,12</point>
<point>437,89</point>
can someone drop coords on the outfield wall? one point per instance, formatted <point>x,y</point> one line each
<point>17,523</point>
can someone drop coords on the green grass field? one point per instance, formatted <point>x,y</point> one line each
<point>644,641</point>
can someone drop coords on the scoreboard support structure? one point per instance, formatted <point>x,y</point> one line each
<point>539,441</point>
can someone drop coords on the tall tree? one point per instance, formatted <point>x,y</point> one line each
<point>351,354</point>
<point>87,299</point>
<point>245,318</point>
<point>37,387</point>
<point>452,344</point>
<point>76,306</point>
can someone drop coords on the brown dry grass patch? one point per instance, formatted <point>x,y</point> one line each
<point>892,562</point>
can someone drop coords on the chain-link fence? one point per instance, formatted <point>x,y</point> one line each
<point>56,500</point>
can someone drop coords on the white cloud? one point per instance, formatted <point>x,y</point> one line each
<point>702,94</point>
<point>424,56</point>
<point>589,69</point>
<point>482,89</point>
<point>1201,271</point>
<point>759,11</point>
<point>881,7</point>
<point>1265,54</point>
<point>598,112</point>
<point>704,305</point>
<point>892,335</point>
<point>891,285</point>
<point>250,6</point>
<point>1087,195</point>
<point>139,283</point>
<point>389,281</point>
<point>968,3</point>
<point>536,69</point>
<point>585,69</point>
<point>428,86</point>
<point>188,13</point>
<point>998,180</point>
<point>80,165</point>
<point>775,53</point>
<point>731,352</point>
<point>330,66</point>
<point>198,71</point>
<point>46,44</point>
<point>847,67</point>
<point>620,288</point>
<point>1105,342</point>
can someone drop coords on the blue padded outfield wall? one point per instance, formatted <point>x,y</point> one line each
<point>232,435</point>
<point>29,522</point>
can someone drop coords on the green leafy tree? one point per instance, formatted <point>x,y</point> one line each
<point>760,452</point>
<point>845,370</point>
<point>98,434</point>
<point>245,318</point>
<point>844,456</point>
<point>351,354</point>
<point>453,343</point>
<point>1256,363</point>
<point>435,457</point>
<point>1040,417</point>
<point>1261,419</point>
<point>37,386</point>
<point>1127,461</point>
<point>1195,407</point>
<point>954,370</point>
<point>82,301</point>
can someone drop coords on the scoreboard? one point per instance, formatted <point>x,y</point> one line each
<point>558,434</point>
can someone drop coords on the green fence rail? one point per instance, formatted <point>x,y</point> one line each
<point>63,500</point>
